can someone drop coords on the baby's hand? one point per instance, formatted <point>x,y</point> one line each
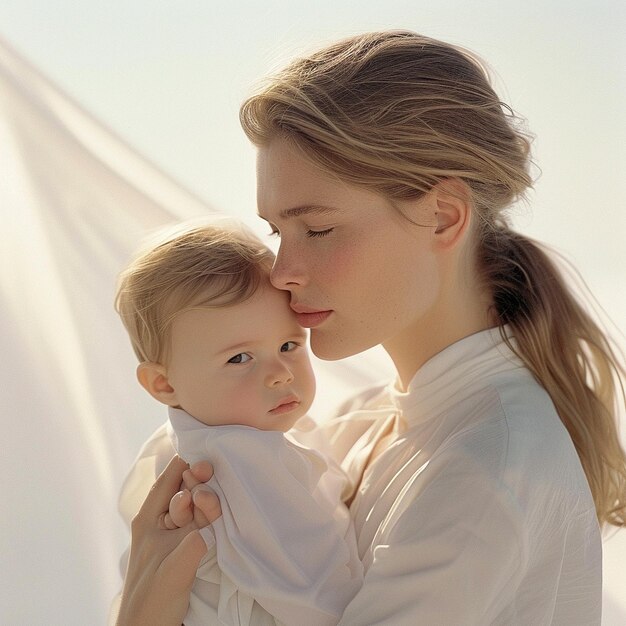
<point>182,510</point>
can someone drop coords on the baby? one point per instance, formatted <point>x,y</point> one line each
<point>221,347</point>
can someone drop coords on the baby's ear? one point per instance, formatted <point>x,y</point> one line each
<point>153,378</point>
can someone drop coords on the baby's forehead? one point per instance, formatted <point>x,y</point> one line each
<point>254,310</point>
<point>263,320</point>
<point>217,291</point>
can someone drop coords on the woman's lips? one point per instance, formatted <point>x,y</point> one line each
<point>311,319</point>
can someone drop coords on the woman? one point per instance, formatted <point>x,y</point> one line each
<point>481,477</point>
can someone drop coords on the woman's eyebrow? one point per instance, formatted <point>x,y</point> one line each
<point>306,209</point>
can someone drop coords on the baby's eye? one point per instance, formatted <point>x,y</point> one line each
<point>288,346</point>
<point>240,358</point>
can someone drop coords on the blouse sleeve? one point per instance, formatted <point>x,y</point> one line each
<point>455,551</point>
<point>279,540</point>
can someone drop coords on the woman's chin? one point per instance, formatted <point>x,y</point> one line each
<point>329,347</point>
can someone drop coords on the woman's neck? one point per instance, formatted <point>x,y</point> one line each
<point>459,312</point>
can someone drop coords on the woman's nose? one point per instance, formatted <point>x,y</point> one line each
<point>288,269</point>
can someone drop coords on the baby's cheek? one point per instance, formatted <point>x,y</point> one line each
<point>249,408</point>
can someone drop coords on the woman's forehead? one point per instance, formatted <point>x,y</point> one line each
<point>290,186</point>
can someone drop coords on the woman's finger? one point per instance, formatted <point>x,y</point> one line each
<point>202,470</point>
<point>190,480</point>
<point>181,564</point>
<point>207,507</point>
<point>165,486</point>
<point>181,509</point>
<point>206,503</point>
<point>168,522</point>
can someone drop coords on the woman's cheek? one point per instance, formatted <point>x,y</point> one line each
<point>339,263</point>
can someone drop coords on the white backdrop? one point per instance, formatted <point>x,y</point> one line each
<point>74,202</point>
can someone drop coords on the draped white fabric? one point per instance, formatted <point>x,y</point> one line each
<point>75,201</point>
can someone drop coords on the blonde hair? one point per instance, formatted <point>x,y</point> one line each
<point>204,266</point>
<point>396,112</point>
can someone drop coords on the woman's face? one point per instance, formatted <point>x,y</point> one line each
<point>359,273</point>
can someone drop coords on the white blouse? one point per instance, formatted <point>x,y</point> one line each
<point>479,512</point>
<point>476,512</point>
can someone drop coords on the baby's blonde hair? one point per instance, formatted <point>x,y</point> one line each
<point>204,266</point>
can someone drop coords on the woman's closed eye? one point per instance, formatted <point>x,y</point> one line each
<point>309,233</point>
<point>319,233</point>
<point>242,357</point>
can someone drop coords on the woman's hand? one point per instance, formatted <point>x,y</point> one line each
<point>163,562</point>
<point>182,509</point>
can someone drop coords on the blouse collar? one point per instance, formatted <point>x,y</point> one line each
<point>454,373</point>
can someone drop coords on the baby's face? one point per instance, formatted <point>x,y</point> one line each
<point>243,364</point>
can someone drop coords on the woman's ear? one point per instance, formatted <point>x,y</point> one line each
<point>153,378</point>
<point>452,199</point>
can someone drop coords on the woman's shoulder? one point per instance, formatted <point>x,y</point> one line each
<point>530,415</point>
<point>519,438</point>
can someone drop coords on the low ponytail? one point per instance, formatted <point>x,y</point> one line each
<point>568,354</point>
